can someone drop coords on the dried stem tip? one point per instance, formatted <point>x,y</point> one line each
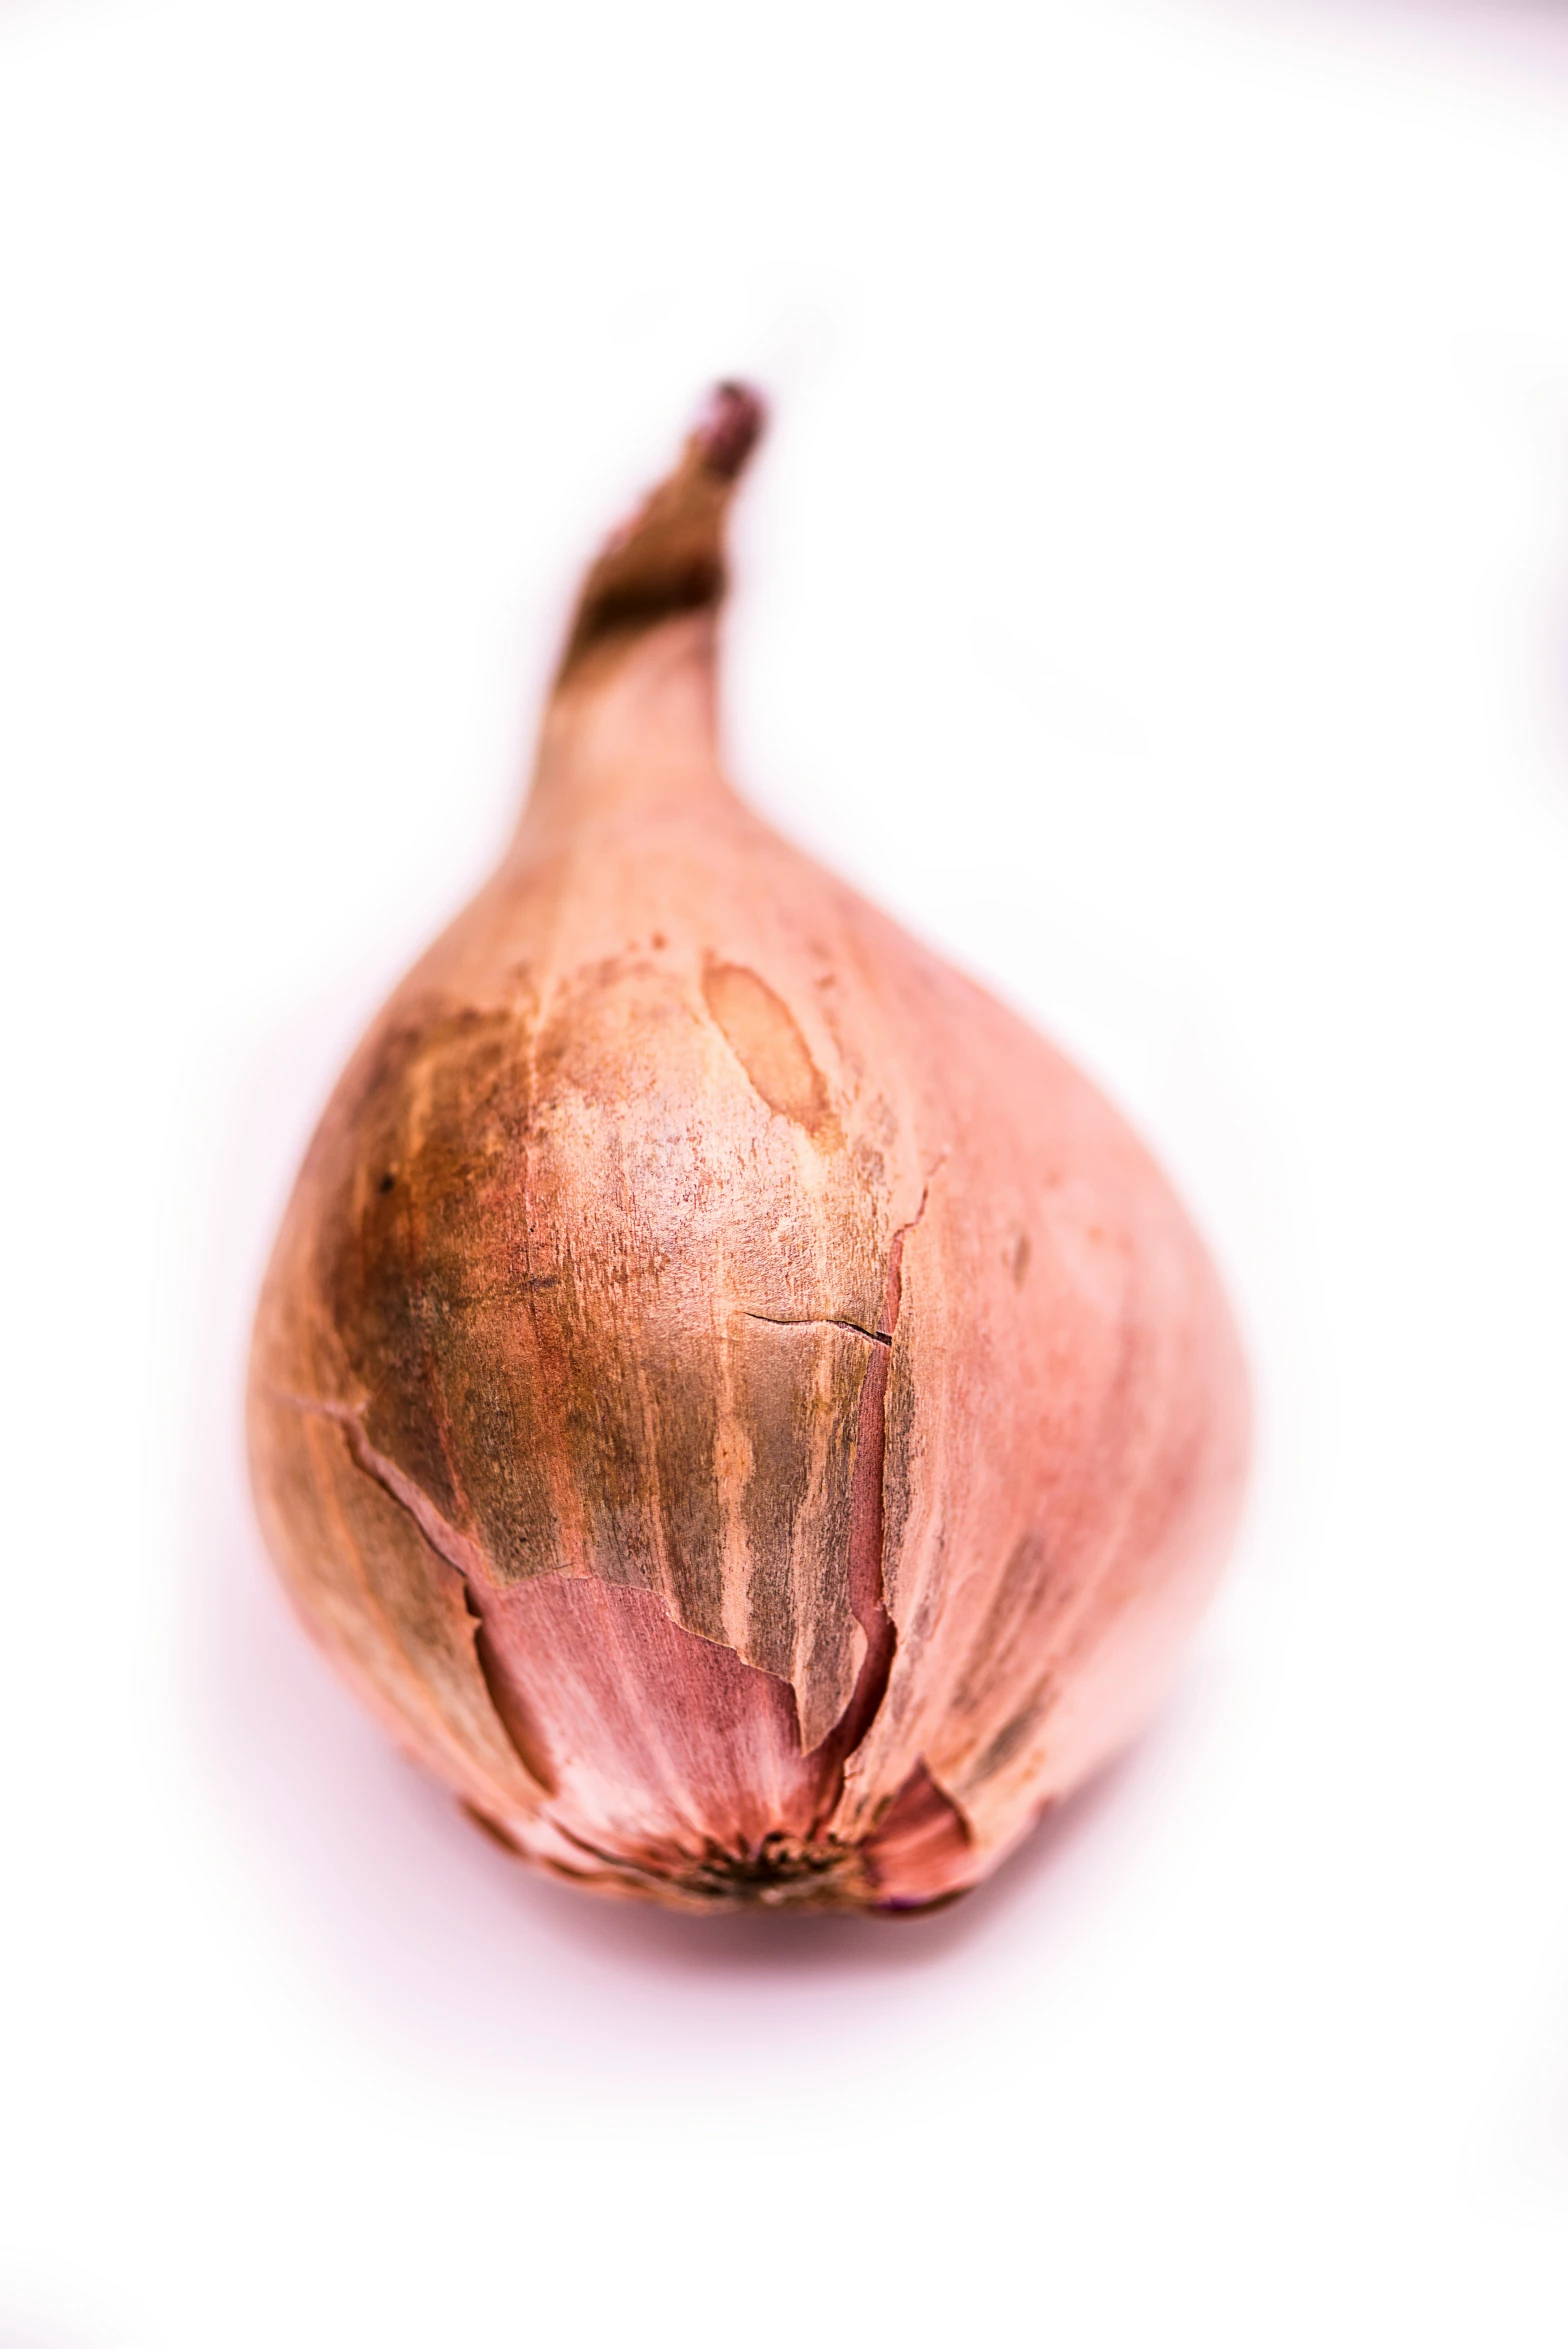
<point>669,558</point>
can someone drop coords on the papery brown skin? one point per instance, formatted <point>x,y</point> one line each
<point>746,1412</point>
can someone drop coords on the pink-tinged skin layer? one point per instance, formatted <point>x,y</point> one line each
<point>744,1410</point>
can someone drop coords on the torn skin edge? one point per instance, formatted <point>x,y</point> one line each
<point>461,1552</point>
<point>407,1709</point>
<point>467,1558</point>
<point>867,1543</point>
<point>455,1550</point>
<point>920,1831</point>
<point>522,1734</point>
<point>674,1874</point>
<point>868,1517</point>
<point>849,1871</point>
<point>922,1840</point>
<point>868,1586</point>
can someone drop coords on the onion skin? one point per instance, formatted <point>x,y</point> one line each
<point>747,1414</point>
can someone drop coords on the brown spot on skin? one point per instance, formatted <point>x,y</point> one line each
<point>1030,1602</point>
<point>1009,1740</point>
<point>762,1033</point>
<point>1018,1259</point>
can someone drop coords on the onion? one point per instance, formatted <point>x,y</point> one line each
<point>745,1411</point>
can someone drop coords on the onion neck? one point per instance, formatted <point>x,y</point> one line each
<point>630,732</point>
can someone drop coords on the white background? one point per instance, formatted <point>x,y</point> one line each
<point>1156,592</point>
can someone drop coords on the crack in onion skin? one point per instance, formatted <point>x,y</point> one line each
<point>742,1408</point>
